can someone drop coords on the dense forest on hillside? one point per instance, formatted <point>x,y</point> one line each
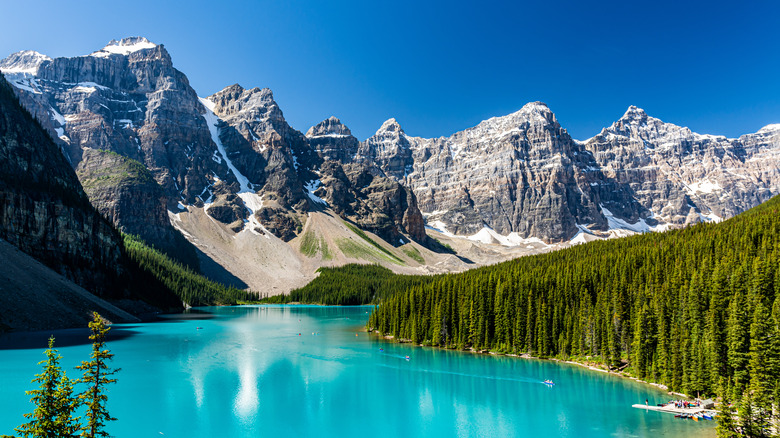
<point>349,285</point>
<point>696,309</point>
<point>192,288</point>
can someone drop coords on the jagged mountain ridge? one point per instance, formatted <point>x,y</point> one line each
<point>509,179</point>
<point>682,176</point>
<point>230,158</point>
<point>523,176</point>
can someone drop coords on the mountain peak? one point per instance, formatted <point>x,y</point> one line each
<point>634,113</point>
<point>536,106</point>
<point>390,125</point>
<point>26,61</point>
<point>331,126</point>
<point>125,46</point>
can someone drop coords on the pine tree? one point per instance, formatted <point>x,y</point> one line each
<point>54,401</point>
<point>761,381</point>
<point>739,340</point>
<point>727,427</point>
<point>96,377</point>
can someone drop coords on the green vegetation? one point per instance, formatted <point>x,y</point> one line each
<point>124,171</point>
<point>393,258</point>
<point>311,245</point>
<point>189,286</point>
<point>348,285</point>
<point>55,401</point>
<point>96,376</point>
<point>326,254</point>
<point>413,253</point>
<point>696,309</point>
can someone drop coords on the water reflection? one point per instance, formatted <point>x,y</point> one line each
<point>301,371</point>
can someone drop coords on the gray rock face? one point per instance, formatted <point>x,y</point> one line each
<point>524,174</point>
<point>288,166</point>
<point>43,210</point>
<point>390,149</point>
<point>332,140</point>
<point>376,203</point>
<point>268,151</point>
<point>127,98</point>
<point>125,192</point>
<point>684,177</point>
<point>521,173</point>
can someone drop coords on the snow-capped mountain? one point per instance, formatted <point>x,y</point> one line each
<point>683,177</point>
<point>231,159</point>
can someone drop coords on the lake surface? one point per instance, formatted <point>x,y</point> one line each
<point>246,372</point>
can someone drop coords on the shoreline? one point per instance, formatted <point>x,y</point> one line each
<point>591,366</point>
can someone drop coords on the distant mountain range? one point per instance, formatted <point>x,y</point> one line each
<point>252,193</point>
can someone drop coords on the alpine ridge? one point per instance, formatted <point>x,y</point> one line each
<point>233,177</point>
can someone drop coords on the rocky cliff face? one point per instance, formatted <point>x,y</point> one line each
<point>333,141</point>
<point>683,177</point>
<point>520,174</point>
<point>129,99</point>
<point>43,210</point>
<point>295,174</point>
<point>523,176</point>
<point>124,191</point>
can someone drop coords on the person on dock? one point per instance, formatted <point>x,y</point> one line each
<point>646,402</point>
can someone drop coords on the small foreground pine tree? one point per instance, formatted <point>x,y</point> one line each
<point>54,401</point>
<point>96,376</point>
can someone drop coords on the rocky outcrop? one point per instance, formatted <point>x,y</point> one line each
<point>376,203</point>
<point>129,99</point>
<point>124,191</point>
<point>284,154</point>
<point>43,210</point>
<point>682,177</point>
<point>333,141</point>
<point>521,174</point>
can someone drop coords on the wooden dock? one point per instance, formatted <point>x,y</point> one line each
<point>672,409</point>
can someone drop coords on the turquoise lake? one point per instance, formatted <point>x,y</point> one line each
<point>246,372</point>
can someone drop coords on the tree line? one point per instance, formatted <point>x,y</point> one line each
<point>189,286</point>
<point>347,286</point>
<point>697,310</point>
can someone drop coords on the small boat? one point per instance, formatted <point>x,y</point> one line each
<point>407,358</point>
<point>549,383</point>
<point>706,417</point>
<point>695,418</point>
<point>381,349</point>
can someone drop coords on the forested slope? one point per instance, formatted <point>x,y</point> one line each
<point>190,287</point>
<point>696,309</point>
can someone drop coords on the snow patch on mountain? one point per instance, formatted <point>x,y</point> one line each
<point>311,187</point>
<point>250,198</point>
<point>124,46</point>
<point>705,186</point>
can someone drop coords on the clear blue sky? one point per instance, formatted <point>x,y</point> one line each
<point>439,67</point>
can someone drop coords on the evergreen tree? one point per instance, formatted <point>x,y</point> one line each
<point>54,401</point>
<point>727,427</point>
<point>96,376</point>
<point>761,381</point>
